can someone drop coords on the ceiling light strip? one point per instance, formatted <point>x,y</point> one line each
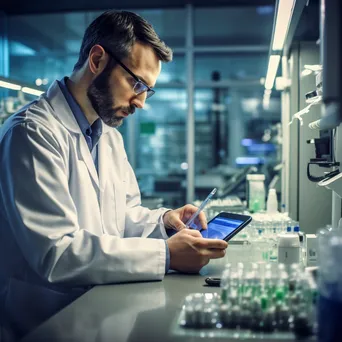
<point>284,14</point>
<point>10,85</point>
<point>31,91</point>
<point>273,64</point>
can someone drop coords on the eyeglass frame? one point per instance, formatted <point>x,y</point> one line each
<point>149,90</point>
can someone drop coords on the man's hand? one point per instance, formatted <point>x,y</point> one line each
<point>176,219</point>
<point>189,251</point>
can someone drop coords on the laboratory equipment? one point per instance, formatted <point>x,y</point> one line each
<point>311,250</point>
<point>272,202</point>
<point>235,181</point>
<point>256,192</point>
<point>289,250</point>
<point>329,285</point>
<point>266,301</point>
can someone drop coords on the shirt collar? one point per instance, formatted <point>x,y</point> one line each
<point>86,129</point>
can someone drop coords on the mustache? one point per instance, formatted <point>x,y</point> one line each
<point>128,110</point>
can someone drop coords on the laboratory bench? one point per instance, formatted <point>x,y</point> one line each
<point>132,312</point>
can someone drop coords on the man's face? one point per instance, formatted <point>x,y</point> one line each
<point>111,92</point>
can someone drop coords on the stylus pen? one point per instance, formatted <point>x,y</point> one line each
<point>201,207</point>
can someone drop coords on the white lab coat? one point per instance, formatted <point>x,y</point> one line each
<point>62,225</point>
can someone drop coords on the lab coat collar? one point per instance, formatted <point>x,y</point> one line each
<point>63,111</point>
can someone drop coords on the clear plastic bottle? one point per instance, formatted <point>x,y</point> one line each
<point>224,284</point>
<point>272,202</point>
<point>329,285</point>
<point>256,192</point>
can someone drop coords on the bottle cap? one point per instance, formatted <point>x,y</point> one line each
<point>264,302</point>
<point>256,177</point>
<point>280,295</point>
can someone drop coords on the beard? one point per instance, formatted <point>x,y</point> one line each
<point>101,98</point>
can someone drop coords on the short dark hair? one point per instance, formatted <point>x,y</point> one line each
<point>118,31</point>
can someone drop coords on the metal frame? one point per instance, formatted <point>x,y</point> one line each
<point>296,14</point>
<point>190,136</point>
<point>314,203</point>
<point>285,119</point>
<point>330,35</point>
<point>292,165</point>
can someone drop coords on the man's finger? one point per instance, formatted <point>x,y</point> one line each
<point>212,243</point>
<point>193,232</point>
<point>179,225</point>
<point>216,253</point>
<point>176,223</point>
<point>202,220</point>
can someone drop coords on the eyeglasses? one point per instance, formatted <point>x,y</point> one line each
<point>140,86</point>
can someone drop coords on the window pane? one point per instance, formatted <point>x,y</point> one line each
<point>51,52</point>
<point>233,25</point>
<point>174,72</point>
<point>169,24</point>
<point>230,67</point>
<point>48,53</point>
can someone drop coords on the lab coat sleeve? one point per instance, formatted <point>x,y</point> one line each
<point>43,218</point>
<point>141,221</point>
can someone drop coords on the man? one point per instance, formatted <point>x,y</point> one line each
<point>70,213</point>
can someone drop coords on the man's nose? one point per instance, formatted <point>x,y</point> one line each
<point>139,100</point>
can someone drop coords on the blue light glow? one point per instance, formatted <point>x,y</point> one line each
<point>246,142</point>
<point>261,148</point>
<point>264,10</point>
<point>249,161</point>
<point>19,49</point>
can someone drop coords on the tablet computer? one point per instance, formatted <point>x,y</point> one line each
<point>225,225</point>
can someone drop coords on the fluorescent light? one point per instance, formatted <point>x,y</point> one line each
<point>10,85</point>
<point>39,82</point>
<point>280,83</point>
<point>249,161</point>
<point>273,64</point>
<point>266,99</point>
<point>284,13</point>
<point>266,102</point>
<point>31,91</point>
<point>184,166</point>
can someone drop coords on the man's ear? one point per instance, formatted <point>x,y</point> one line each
<point>98,59</point>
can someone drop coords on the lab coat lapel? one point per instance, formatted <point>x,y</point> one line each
<point>63,113</point>
<point>104,156</point>
<point>85,155</point>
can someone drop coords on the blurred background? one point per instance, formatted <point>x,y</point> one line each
<point>206,123</point>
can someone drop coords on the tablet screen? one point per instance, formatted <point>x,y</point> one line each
<point>220,227</point>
